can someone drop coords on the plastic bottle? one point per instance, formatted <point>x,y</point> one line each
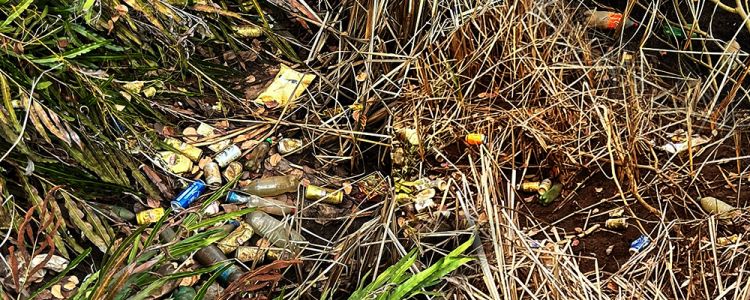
<point>116,212</point>
<point>271,206</point>
<point>272,186</point>
<point>606,19</point>
<point>255,158</point>
<point>274,230</point>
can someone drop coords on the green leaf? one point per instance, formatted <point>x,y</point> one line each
<point>393,272</point>
<point>70,54</point>
<point>202,292</point>
<point>17,12</point>
<point>433,274</point>
<point>43,85</point>
<point>220,218</point>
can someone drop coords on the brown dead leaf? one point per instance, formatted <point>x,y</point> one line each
<point>248,144</point>
<point>347,188</point>
<point>190,134</point>
<point>153,203</point>
<point>202,163</point>
<point>275,159</point>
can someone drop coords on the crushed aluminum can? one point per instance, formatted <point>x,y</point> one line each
<point>228,155</point>
<point>639,243</point>
<point>544,186</point>
<point>149,216</point>
<point>475,139</point>
<point>233,170</point>
<point>188,195</point>
<point>315,193</point>
<point>530,186</point>
<point>287,145</point>
<point>175,162</point>
<point>239,236</point>
<point>212,173</point>
<point>192,152</point>
<point>250,254</point>
<point>617,223</point>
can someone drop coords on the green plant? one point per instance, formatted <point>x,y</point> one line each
<point>397,283</point>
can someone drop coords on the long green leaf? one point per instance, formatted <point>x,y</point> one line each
<point>70,54</point>
<point>17,12</point>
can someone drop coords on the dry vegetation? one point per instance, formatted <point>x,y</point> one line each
<point>556,99</point>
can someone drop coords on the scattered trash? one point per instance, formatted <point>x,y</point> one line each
<point>250,254</point>
<point>256,157</point>
<point>285,88</point>
<point>212,173</point>
<point>233,170</point>
<point>275,231</point>
<point>190,151</point>
<point>551,194</point>
<point>188,195</point>
<point>423,199</point>
<point>727,240</point>
<point>315,193</point>
<point>149,216</point>
<point>676,32</point>
<point>269,206</point>
<point>239,236</point>
<point>272,186</point>
<point>176,163</point>
<point>544,186</point>
<point>619,223</point>
<point>228,155</point>
<point>287,145</point>
<point>638,245</point>
<point>606,20</point>
<point>184,293</point>
<point>617,212</point>
<point>475,139</point>
<point>530,186</point>
<point>721,209</point>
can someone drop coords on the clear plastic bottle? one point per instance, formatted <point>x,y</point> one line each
<point>272,186</point>
<point>271,206</point>
<point>275,231</point>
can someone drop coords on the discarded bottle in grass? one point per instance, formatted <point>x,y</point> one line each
<point>272,186</point>
<point>315,193</point>
<point>270,206</point>
<point>149,216</point>
<point>475,139</point>
<point>184,293</point>
<point>551,194</point>
<point>116,212</point>
<point>188,195</point>
<point>721,209</point>
<point>255,158</point>
<point>212,173</point>
<point>211,255</point>
<point>287,145</point>
<point>639,243</point>
<point>274,230</point>
<point>606,20</point>
<point>675,32</point>
<point>228,155</point>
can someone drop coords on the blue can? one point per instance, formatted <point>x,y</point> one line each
<point>188,195</point>
<point>639,243</point>
<point>234,197</point>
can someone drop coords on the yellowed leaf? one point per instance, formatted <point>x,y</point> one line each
<point>274,159</point>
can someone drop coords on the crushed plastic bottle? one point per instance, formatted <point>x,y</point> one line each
<point>275,231</point>
<point>270,206</point>
<point>272,186</point>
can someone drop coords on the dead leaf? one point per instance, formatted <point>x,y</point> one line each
<point>190,134</point>
<point>248,144</point>
<point>274,159</point>
<point>202,163</point>
<point>153,203</point>
<point>56,291</point>
<point>362,76</point>
<point>347,188</point>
